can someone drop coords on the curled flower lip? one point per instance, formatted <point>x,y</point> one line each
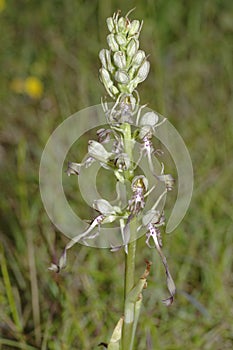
<point>63,259</point>
<point>73,168</point>
<point>154,233</point>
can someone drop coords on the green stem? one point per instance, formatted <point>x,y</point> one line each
<point>128,145</point>
<point>129,312</point>
<point>129,267</point>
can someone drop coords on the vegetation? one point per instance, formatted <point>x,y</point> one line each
<point>49,70</point>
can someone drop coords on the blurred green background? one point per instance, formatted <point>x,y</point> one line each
<point>49,70</point>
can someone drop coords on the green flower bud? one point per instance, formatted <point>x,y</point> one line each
<point>105,58</point>
<point>134,27</point>
<point>108,84</point>
<point>122,24</point>
<point>110,24</point>
<point>121,39</point>
<point>132,47</point>
<point>112,43</point>
<point>122,77</point>
<point>138,58</point>
<point>111,67</point>
<point>102,56</point>
<point>105,77</point>
<point>119,59</point>
<point>143,71</point>
<point>114,90</point>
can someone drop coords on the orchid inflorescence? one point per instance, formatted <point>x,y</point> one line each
<point>124,66</point>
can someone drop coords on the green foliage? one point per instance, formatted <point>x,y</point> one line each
<point>190,82</point>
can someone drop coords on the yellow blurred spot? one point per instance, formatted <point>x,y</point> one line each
<point>2,5</point>
<point>30,86</point>
<point>33,87</point>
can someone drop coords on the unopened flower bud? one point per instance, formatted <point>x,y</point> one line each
<point>121,39</point>
<point>119,59</point>
<point>132,47</point>
<point>122,24</point>
<point>122,77</point>
<point>108,83</point>
<point>138,58</point>
<point>105,77</point>
<point>110,24</point>
<point>112,42</point>
<point>105,58</point>
<point>134,27</point>
<point>102,56</point>
<point>110,66</point>
<point>114,90</point>
<point>143,71</point>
